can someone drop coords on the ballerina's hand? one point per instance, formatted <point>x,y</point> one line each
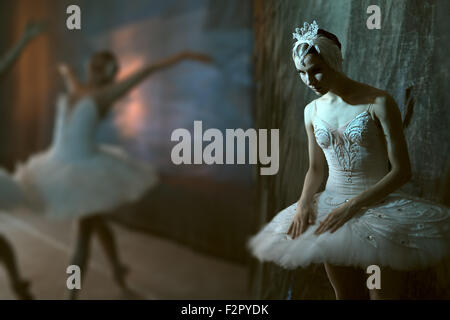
<point>63,68</point>
<point>336,218</point>
<point>304,216</point>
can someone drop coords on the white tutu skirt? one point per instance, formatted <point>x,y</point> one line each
<point>11,193</point>
<point>401,232</point>
<point>63,186</point>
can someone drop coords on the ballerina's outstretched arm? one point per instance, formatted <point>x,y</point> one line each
<point>106,96</point>
<point>73,84</point>
<point>31,31</point>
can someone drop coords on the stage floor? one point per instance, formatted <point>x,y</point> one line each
<point>159,268</point>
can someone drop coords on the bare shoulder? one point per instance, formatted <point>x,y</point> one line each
<point>384,104</point>
<point>383,99</point>
<point>308,111</point>
<point>373,95</point>
<point>385,109</point>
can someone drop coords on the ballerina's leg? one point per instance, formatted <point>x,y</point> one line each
<point>8,258</point>
<point>108,242</point>
<point>82,248</point>
<point>349,283</point>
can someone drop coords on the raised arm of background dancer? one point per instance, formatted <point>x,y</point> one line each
<point>70,79</point>
<point>31,31</point>
<point>115,91</point>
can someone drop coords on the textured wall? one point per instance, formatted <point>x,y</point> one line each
<point>407,57</point>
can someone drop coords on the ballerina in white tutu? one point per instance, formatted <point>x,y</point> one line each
<point>359,219</point>
<point>11,194</point>
<point>78,178</point>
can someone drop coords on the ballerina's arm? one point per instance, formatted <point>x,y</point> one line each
<point>105,97</point>
<point>71,81</point>
<point>31,31</point>
<point>315,174</point>
<point>388,115</point>
<point>305,214</point>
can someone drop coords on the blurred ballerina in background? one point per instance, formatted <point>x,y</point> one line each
<point>11,194</point>
<point>78,178</point>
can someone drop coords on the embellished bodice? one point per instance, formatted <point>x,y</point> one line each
<point>356,153</point>
<point>75,128</point>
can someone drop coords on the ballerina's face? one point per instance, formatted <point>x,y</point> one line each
<point>102,70</point>
<point>314,72</point>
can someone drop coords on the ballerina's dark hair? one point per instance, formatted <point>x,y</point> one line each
<point>333,57</point>
<point>330,36</point>
<point>325,34</point>
<point>101,58</point>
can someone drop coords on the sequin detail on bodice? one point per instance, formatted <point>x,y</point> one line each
<point>356,153</point>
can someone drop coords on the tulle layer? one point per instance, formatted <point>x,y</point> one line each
<point>402,232</point>
<point>96,183</point>
<point>11,193</point>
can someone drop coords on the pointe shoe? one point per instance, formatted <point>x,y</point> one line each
<point>22,290</point>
